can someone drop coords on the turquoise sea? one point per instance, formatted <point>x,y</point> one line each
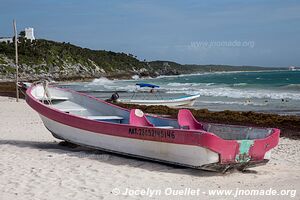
<point>263,91</point>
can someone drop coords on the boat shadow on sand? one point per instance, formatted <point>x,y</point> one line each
<point>74,150</point>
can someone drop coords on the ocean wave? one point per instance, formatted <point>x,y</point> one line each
<point>211,90</point>
<point>128,88</point>
<point>207,89</point>
<point>240,84</point>
<point>101,81</point>
<point>237,93</point>
<point>245,103</point>
<point>135,77</point>
<point>292,87</point>
<point>179,84</point>
<point>189,84</point>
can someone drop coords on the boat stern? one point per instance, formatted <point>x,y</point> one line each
<point>240,154</point>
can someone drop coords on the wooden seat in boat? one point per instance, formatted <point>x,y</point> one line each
<point>53,98</point>
<point>101,117</point>
<point>72,109</point>
<point>106,118</point>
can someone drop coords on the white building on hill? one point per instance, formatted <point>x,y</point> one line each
<point>29,34</point>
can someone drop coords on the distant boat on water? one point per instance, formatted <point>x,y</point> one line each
<point>187,100</point>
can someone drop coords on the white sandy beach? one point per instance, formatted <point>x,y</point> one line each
<point>34,166</point>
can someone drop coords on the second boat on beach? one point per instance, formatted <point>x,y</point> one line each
<point>187,100</point>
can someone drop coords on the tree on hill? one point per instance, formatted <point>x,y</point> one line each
<point>22,34</point>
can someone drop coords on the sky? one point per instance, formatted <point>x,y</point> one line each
<point>256,32</point>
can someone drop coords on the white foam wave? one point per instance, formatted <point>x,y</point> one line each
<point>240,84</point>
<point>237,93</point>
<point>245,103</point>
<point>189,84</point>
<point>135,77</point>
<point>180,84</point>
<point>101,81</point>
<point>292,86</point>
<point>207,89</point>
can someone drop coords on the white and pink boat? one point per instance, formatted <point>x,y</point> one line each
<point>187,100</point>
<point>88,121</point>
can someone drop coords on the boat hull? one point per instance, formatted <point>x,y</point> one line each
<point>68,118</point>
<point>186,101</point>
<point>164,152</point>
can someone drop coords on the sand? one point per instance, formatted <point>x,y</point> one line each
<point>34,166</point>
